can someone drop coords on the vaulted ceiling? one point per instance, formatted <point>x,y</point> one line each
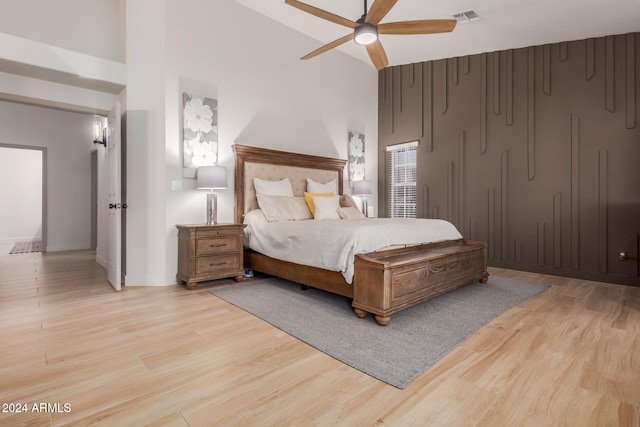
<point>503,24</point>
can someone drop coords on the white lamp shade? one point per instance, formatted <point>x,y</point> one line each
<point>362,187</point>
<point>211,177</point>
<point>97,130</point>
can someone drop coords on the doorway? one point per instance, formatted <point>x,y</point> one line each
<point>23,171</point>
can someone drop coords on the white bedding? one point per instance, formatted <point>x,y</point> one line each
<point>332,244</point>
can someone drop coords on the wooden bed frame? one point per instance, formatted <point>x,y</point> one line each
<point>385,281</point>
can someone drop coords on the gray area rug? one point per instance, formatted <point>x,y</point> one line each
<point>397,354</point>
<point>26,247</point>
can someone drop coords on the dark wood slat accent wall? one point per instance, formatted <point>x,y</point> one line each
<point>602,210</point>
<point>610,74</point>
<point>454,71</point>
<point>509,89</point>
<point>564,51</point>
<point>575,192</point>
<point>427,103</point>
<point>445,86</point>
<point>483,106</point>
<point>461,180</point>
<point>591,61</point>
<point>557,230</point>
<point>547,69</point>
<point>491,222</point>
<point>631,81</point>
<point>496,83</point>
<point>535,151</point>
<point>531,111</point>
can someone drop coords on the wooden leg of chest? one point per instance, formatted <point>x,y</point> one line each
<point>383,320</point>
<point>360,313</point>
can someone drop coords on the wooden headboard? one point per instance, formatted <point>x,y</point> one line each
<point>252,162</point>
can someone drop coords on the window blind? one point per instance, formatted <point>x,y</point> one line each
<point>401,180</point>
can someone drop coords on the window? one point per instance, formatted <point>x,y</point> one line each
<point>401,179</point>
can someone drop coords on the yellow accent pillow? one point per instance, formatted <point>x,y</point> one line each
<point>308,197</point>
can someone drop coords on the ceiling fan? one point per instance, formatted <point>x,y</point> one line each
<point>368,27</point>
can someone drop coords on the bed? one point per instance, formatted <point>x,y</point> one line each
<point>383,282</point>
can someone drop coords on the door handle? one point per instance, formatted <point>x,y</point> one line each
<point>112,206</point>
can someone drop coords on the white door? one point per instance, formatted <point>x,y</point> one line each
<point>114,217</point>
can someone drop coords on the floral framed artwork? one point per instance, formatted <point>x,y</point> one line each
<point>199,132</point>
<point>356,157</point>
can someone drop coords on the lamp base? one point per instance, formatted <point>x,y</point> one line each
<point>365,206</point>
<point>212,208</point>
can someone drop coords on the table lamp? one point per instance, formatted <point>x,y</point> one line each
<point>362,188</point>
<point>212,178</point>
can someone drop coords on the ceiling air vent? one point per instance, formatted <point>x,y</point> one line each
<point>467,16</point>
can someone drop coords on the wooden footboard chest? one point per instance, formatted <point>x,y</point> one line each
<point>392,280</point>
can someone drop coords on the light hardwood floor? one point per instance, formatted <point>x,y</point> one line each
<point>166,356</point>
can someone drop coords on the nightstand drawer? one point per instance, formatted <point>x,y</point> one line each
<point>218,264</point>
<point>217,245</point>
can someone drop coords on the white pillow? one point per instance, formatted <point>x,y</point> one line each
<point>316,187</point>
<point>273,188</point>
<point>326,207</point>
<point>283,208</point>
<point>350,213</point>
<point>346,201</point>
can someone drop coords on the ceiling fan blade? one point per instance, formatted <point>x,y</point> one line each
<point>379,10</point>
<point>329,46</point>
<point>378,55</point>
<point>429,26</point>
<point>322,13</point>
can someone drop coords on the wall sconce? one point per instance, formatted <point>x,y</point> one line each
<point>99,134</point>
<point>362,188</point>
<point>212,178</point>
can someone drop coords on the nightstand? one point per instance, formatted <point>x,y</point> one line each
<point>209,252</point>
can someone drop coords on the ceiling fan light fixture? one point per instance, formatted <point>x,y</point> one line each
<point>365,34</point>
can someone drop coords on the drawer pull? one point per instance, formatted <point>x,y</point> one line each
<point>219,245</point>
<point>216,264</point>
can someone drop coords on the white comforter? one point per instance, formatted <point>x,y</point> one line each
<point>332,244</point>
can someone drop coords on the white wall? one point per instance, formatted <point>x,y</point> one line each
<point>21,195</point>
<point>67,137</point>
<point>267,97</point>
<point>47,47</point>
<point>94,27</point>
